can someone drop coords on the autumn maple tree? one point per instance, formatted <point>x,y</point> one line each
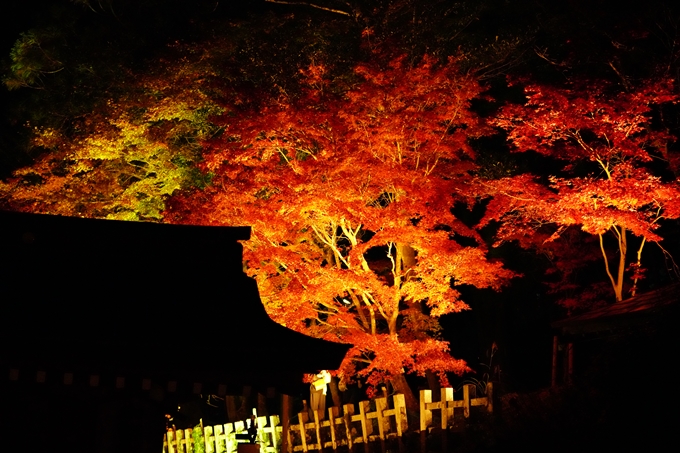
<point>346,159</point>
<point>347,181</point>
<point>349,198</point>
<point>607,185</point>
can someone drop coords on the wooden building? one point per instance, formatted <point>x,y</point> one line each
<point>104,323</point>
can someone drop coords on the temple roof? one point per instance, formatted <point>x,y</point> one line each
<point>635,310</point>
<point>169,302</point>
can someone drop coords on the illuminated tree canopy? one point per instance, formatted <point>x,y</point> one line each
<point>604,140</point>
<point>346,138</point>
<point>349,198</point>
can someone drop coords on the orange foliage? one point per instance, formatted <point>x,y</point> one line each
<point>349,199</point>
<point>605,141</point>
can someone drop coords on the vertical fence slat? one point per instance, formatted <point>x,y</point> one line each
<point>466,400</point>
<point>183,445</point>
<point>425,413</point>
<point>348,414</point>
<point>446,408</point>
<point>272,435</point>
<point>489,397</point>
<point>366,428</point>
<point>383,422</point>
<point>230,433</point>
<point>400,413</point>
<point>303,431</point>
<point>317,432</point>
<point>220,439</point>
<point>332,421</point>
<point>209,439</point>
<point>168,438</point>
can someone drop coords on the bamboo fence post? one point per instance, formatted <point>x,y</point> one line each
<point>401,419</point>
<point>230,437</point>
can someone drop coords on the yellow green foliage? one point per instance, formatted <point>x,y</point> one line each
<point>125,161</point>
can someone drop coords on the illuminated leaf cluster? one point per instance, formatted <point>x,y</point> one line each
<point>605,141</point>
<point>349,199</point>
<point>126,159</point>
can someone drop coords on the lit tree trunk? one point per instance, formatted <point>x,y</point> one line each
<point>639,266</point>
<point>408,259</point>
<point>400,385</point>
<point>335,393</point>
<point>433,382</point>
<point>617,283</point>
<point>403,259</point>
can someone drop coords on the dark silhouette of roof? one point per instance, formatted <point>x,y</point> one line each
<point>633,311</point>
<point>106,324</point>
<point>168,301</point>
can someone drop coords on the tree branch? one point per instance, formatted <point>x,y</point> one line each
<point>324,8</point>
<point>606,262</point>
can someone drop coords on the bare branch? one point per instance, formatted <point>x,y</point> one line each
<point>606,261</point>
<point>324,8</point>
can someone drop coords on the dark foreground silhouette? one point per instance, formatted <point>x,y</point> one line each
<point>106,323</point>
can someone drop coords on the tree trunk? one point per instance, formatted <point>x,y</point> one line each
<point>400,385</point>
<point>405,257</point>
<point>638,268</point>
<point>232,412</point>
<point>408,258</point>
<point>335,393</point>
<point>617,283</point>
<point>261,405</point>
<point>285,421</point>
<point>433,382</point>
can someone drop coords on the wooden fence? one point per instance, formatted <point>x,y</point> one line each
<point>222,438</point>
<point>377,420</point>
<point>350,428</point>
<point>447,405</point>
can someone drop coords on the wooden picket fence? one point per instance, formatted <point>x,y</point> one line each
<point>222,438</point>
<point>378,420</point>
<point>341,430</point>
<point>447,406</point>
